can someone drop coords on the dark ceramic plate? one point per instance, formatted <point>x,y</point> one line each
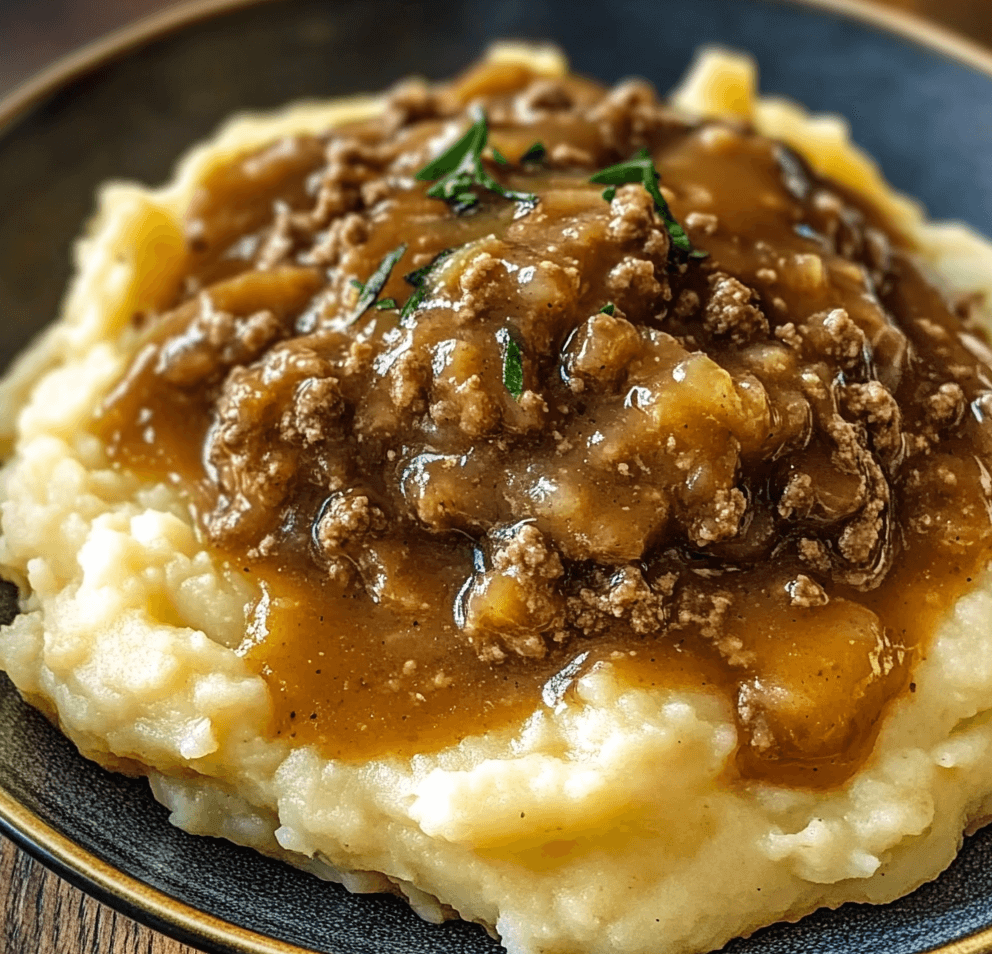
<point>919,101</point>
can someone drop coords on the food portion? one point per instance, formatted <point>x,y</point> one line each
<point>515,422</point>
<point>516,488</point>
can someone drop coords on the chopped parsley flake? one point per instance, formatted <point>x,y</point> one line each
<point>377,281</point>
<point>418,279</point>
<point>534,153</point>
<point>607,309</point>
<point>513,364</point>
<point>459,169</point>
<point>640,168</point>
<point>417,276</point>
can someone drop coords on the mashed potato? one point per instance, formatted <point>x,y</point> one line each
<point>611,822</point>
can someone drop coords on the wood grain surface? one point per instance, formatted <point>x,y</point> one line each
<point>39,912</point>
<point>42,914</point>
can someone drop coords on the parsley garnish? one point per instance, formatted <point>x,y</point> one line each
<point>383,303</point>
<point>607,309</point>
<point>460,168</point>
<point>640,168</point>
<point>534,153</point>
<point>513,364</point>
<point>499,157</point>
<point>418,278</point>
<point>609,193</point>
<point>377,281</point>
<point>413,302</point>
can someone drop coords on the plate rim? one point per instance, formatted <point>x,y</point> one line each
<point>121,891</point>
<point>125,893</point>
<point>17,102</point>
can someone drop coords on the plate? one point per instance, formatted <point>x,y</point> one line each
<point>126,108</point>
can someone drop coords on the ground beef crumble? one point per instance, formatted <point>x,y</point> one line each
<point>687,430</point>
<point>730,311</point>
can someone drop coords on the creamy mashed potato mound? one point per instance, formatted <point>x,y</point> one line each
<point>612,822</point>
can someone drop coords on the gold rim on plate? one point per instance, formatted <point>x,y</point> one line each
<point>45,843</point>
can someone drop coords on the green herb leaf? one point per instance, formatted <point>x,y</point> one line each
<point>451,187</point>
<point>609,193</point>
<point>355,283</point>
<point>412,303</point>
<point>460,167</point>
<point>527,200</point>
<point>460,156</point>
<point>534,153</point>
<point>385,303</point>
<point>499,157</point>
<point>375,284</point>
<point>463,202</point>
<point>418,278</point>
<point>640,168</point>
<point>513,364</point>
<point>607,309</point>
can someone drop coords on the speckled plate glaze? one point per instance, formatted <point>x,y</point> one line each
<point>919,100</point>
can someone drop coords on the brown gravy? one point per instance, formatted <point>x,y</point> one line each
<point>763,473</point>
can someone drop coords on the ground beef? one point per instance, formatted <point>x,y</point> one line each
<point>345,519</point>
<point>535,429</point>
<point>805,592</point>
<point>730,312</point>
<point>510,606</point>
<point>623,595</point>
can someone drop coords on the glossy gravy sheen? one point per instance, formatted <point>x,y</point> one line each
<point>764,473</point>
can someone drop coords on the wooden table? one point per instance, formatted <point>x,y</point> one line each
<point>39,912</point>
<point>42,914</point>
